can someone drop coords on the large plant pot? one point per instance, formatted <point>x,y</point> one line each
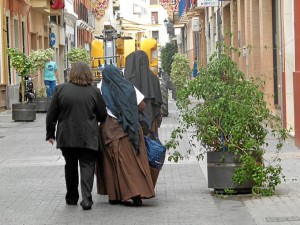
<point>220,170</point>
<point>42,103</point>
<point>23,112</point>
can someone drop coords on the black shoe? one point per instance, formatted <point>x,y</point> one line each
<point>69,202</point>
<point>115,202</point>
<point>137,201</point>
<point>86,205</point>
<point>127,203</point>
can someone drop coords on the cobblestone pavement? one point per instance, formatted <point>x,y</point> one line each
<point>32,187</point>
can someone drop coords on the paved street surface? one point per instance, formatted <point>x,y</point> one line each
<point>32,187</point>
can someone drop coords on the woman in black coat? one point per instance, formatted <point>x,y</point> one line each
<point>76,109</point>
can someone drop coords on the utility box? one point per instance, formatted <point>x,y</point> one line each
<point>195,24</point>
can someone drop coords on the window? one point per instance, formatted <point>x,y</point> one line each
<point>16,32</point>
<point>154,17</point>
<point>154,2</point>
<point>155,35</point>
<point>57,20</point>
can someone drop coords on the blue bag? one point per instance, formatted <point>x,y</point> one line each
<point>156,152</point>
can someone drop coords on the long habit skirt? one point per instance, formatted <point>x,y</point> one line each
<point>123,174</point>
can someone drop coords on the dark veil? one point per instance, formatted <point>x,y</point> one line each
<point>138,73</point>
<point>120,98</point>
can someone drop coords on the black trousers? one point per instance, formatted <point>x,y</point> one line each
<point>87,159</point>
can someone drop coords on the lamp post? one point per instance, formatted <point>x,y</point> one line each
<point>166,22</point>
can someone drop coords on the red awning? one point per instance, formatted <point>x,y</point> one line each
<point>57,4</point>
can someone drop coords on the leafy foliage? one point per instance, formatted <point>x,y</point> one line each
<point>41,91</point>
<point>26,65</point>
<point>40,57</point>
<point>180,70</point>
<point>78,55</point>
<point>20,62</point>
<point>167,53</point>
<point>229,113</point>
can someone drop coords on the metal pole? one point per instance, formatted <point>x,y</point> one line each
<point>219,21</point>
<point>280,57</point>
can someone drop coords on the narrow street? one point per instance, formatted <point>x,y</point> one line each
<point>33,187</point>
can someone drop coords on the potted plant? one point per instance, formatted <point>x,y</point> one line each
<point>21,63</point>
<point>231,121</point>
<point>41,100</point>
<point>78,54</point>
<point>39,58</point>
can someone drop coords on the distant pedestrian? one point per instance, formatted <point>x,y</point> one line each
<point>195,68</point>
<point>51,76</point>
<point>160,72</point>
<point>76,109</point>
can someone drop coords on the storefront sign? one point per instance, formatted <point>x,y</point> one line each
<point>207,3</point>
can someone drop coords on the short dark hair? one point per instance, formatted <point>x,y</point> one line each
<point>81,74</point>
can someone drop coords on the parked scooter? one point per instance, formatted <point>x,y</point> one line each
<point>28,90</point>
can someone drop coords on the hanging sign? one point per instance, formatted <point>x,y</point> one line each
<point>207,3</point>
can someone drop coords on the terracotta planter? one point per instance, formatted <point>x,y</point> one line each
<point>220,170</point>
<point>24,112</point>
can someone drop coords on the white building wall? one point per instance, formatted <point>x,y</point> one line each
<point>135,11</point>
<point>160,27</point>
<point>70,17</point>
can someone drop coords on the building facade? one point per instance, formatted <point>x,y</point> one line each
<point>263,31</point>
<point>28,25</point>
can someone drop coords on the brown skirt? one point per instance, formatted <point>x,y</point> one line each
<point>123,174</point>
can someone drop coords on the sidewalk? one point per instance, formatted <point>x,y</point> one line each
<point>32,187</point>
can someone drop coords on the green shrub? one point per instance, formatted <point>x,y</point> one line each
<point>180,70</point>
<point>78,55</point>
<point>167,53</point>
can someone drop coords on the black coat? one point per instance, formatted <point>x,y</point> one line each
<point>76,110</point>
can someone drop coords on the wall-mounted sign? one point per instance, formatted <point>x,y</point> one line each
<point>207,3</point>
<point>52,39</point>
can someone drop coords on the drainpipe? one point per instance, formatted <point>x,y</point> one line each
<point>280,59</point>
<point>296,73</point>
<point>28,30</point>
<point>219,22</point>
<point>3,46</point>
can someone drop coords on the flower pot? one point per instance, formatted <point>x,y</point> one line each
<point>220,170</point>
<point>42,103</point>
<point>24,112</point>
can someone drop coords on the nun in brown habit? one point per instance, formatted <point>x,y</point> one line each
<point>123,169</point>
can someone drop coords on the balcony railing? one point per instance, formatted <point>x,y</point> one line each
<point>44,7</point>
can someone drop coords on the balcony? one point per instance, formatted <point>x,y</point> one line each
<point>43,6</point>
<point>40,4</point>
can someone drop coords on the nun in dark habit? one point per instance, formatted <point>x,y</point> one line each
<point>137,71</point>
<point>124,172</point>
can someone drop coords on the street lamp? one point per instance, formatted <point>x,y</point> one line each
<point>165,22</point>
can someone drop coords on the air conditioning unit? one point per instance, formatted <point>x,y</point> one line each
<point>179,39</point>
<point>195,24</point>
<point>137,9</point>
